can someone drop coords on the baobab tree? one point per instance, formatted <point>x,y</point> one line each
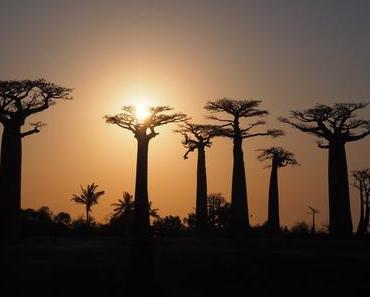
<point>142,125</point>
<point>361,181</point>
<point>335,125</point>
<point>197,138</point>
<point>88,197</point>
<point>236,110</point>
<point>18,101</point>
<point>279,158</point>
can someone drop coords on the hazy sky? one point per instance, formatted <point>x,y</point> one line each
<point>290,54</point>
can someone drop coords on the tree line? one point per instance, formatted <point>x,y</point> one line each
<point>43,222</point>
<point>334,126</point>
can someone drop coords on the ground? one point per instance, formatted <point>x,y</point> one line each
<point>185,267</point>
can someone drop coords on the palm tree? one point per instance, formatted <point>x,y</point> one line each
<point>126,207</point>
<point>89,198</point>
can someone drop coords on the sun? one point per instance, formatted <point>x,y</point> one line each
<point>142,112</point>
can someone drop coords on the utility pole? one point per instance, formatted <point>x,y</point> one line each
<point>313,212</point>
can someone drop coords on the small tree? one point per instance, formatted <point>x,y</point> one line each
<point>336,125</point>
<point>62,218</point>
<point>218,211</point>
<point>279,158</point>
<point>18,101</point>
<point>301,228</point>
<point>143,129</point>
<point>89,197</point>
<point>231,128</point>
<point>361,181</point>
<point>169,226</point>
<point>198,137</point>
<point>126,207</point>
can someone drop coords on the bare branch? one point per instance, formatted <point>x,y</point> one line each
<point>271,132</point>
<point>36,129</point>
<point>258,123</point>
<point>359,136</point>
<point>322,145</point>
<point>220,120</point>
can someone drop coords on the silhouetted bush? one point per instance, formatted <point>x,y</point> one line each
<point>168,226</point>
<point>37,222</point>
<point>301,228</point>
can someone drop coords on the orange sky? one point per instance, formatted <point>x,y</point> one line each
<point>182,54</point>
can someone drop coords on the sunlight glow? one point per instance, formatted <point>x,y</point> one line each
<point>142,112</point>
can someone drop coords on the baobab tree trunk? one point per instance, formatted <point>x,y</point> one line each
<point>10,181</point>
<point>273,221</point>
<point>360,227</point>
<point>339,204</point>
<point>142,224</point>
<point>239,204</point>
<point>367,212</point>
<point>201,203</point>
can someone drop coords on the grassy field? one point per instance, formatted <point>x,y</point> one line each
<point>187,267</point>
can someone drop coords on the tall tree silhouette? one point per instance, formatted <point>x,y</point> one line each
<point>198,137</point>
<point>361,181</point>
<point>88,197</point>
<point>279,158</point>
<point>336,125</point>
<point>18,101</point>
<point>237,110</point>
<point>144,131</point>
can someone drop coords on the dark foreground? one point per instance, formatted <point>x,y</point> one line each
<point>187,267</point>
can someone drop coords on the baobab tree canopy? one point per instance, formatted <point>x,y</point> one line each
<point>337,122</point>
<point>196,136</point>
<point>280,156</point>
<point>361,178</point>
<point>20,99</point>
<point>239,109</point>
<point>156,116</point>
